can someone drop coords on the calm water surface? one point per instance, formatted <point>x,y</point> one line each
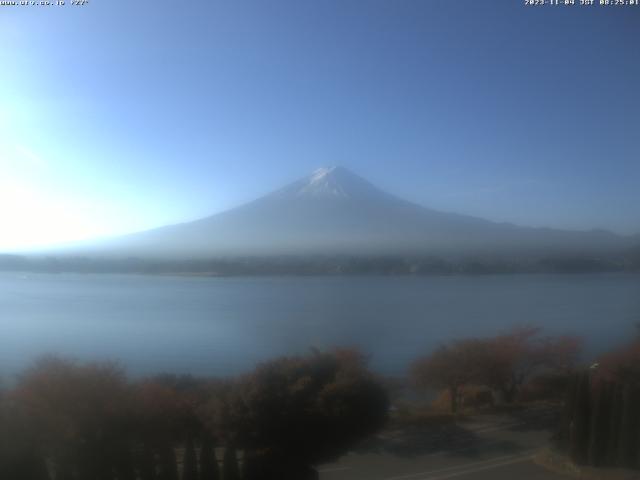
<point>225,325</point>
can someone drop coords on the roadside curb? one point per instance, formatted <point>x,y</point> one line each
<point>559,463</point>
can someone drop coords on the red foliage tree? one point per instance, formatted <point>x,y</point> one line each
<point>515,357</point>
<point>451,367</point>
<point>503,363</point>
<point>295,412</point>
<point>82,414</point>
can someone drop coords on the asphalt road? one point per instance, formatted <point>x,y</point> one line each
<point>490,447</point>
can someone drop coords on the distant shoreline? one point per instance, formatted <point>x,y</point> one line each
<point>323,265</point>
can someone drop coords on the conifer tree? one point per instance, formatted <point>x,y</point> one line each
<point>579,430</point>
<point>168,463</point>
<point>208,462</point>
<point>146,464</point>
<point>598,431</point>
<point>628,433</point>
<point>230,465</point>
<point>614,425</point>
<point>190,461</point>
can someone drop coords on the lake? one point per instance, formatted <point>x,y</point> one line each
<point>222,326</point>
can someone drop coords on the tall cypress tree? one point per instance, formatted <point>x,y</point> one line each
<point>563,437</point>
<point>168,464</point>
<point>28,465</point>
<point>251,467</point>
<point>146,464</point>
<point>627,444</point>
<point>579,430</point>
<point>634,459</point>
<point>598,431</point>
<point>230,464</point>
<point>124,464</point>
<point>190,462</point>
<point>63,469</point>
<point>208,462</point>
<point>39,469</point>
<point>614,424</point>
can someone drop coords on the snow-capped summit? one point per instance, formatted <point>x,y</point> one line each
<point>324,181</point>
<point>330,182</point>
<point>322,173</point>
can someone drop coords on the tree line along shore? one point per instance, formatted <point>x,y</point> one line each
<point>628,261</point>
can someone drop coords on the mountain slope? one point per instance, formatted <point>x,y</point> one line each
<point>334,211</point>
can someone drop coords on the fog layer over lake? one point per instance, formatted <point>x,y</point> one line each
<point>223,326</point>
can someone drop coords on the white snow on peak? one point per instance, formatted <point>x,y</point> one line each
<point>320,173</point>
<point>323,182</point>
<point>331,183</point>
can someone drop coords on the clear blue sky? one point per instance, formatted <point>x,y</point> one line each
<point>120,116</point>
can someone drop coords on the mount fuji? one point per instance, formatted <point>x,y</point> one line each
<point>334,211</point>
